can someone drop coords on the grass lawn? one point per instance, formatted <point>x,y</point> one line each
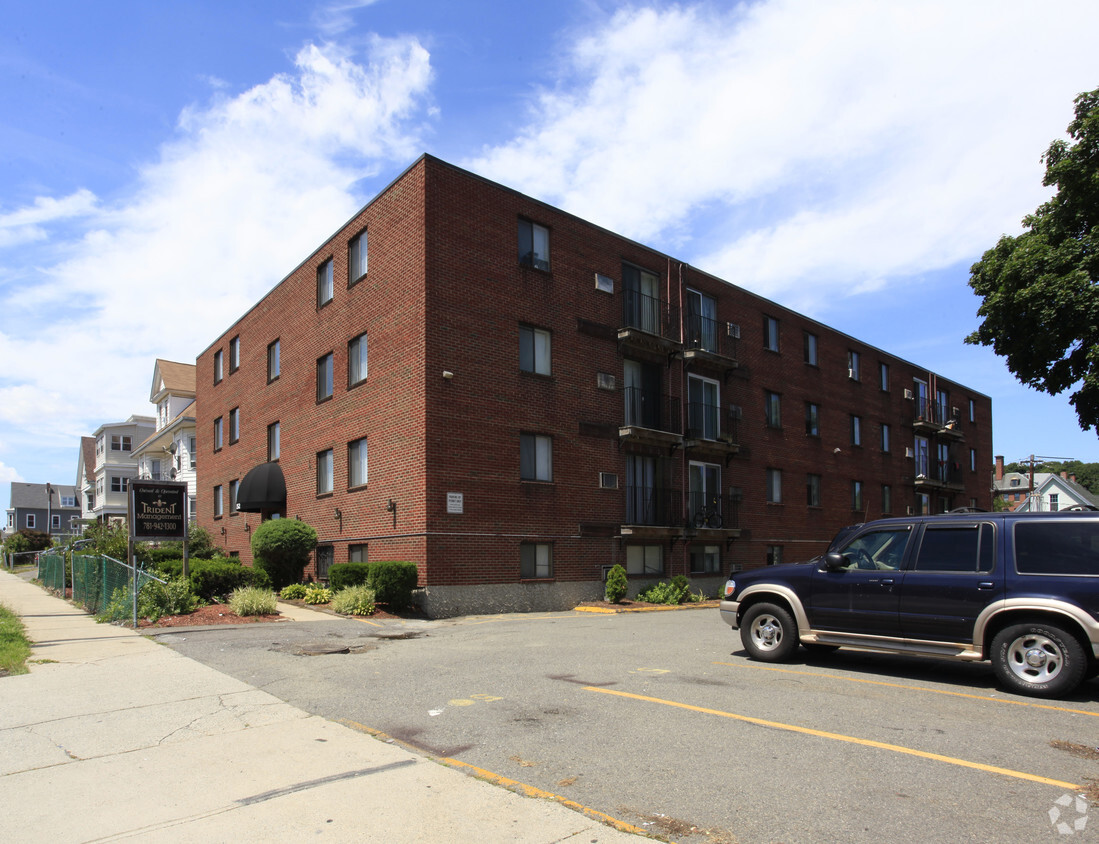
<point>14,646</point>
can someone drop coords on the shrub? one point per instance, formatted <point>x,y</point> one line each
<point>617,584</point>
<point>317,594</point>
<point>214,579</point>
<point>392,582</point>
<point>159,599</point>
<point>281,547</point>
<point>200,546</point>
<point>294,592</point>
<point>342,575</point>
<point>354,600</point>
<point>252,600</point>
<point>664,593</point>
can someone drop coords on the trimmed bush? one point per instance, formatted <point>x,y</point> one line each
<point>354,600</point>
<point>252,600</point>
<point>617,585</point>
<point>342,575</point>
<point>215,579</point>
<point>317,594</point>
<point>281,547</point>
<point>392,582</point>
<point>665,592</point>
<point>294,592</point>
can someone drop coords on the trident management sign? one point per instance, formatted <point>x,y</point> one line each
<point>159,510</point>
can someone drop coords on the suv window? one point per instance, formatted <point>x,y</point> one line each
<point>1061,547</point>
<point>959,548</point>
<point>878,549</point>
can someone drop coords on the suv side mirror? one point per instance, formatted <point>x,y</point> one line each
<point>835,560</point>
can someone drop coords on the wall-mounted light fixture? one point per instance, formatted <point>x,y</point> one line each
<point>339,518</point>
<point>391,507</point>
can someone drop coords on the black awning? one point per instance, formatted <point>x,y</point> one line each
<point>263,488</point>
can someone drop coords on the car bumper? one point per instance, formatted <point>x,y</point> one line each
<point>729,610</point>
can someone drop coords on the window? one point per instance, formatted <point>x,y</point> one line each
<point>884,437</point>
<point>705,559</point>
<point>192,507</point>
<point>234,425</point>
<point>192,450</point>
<point>324,378</point>
<point>812,419</point>
<point>357,258</point>
<point>533,245</point>
<point>68,500</point>
<point>535,560</point>
<point>534,350</point>
<point>356,463</point>
<point>879,549</point>
<point>234,487</point>
<point>770,334</point>
<point>324,283</point>
<point>325,555</point>
<point>644,559</point>
<point>274,366</point>
<point>853,365</point>
<point>973,460</point>
<point>324,472</point>
<point>774,486</point>
<point>883,376</point>
<point>357,553</point>
<point>701,324</point>
<point>942,407</point>
<point>535,457</point>
<point>119,484</point>
<point>923,504</point>
<point>812,490</point>
<point>774,555</point>
<point>856,430</point>
<point>273,434</point>
<point>30,520</point>
<point>886,499</point>
<point>772,409</point>
<point>356,360</point>
<point>234,355</point>
<point>55,520</point>
<point>703,405</point>
<point>964,549</point>
<point>1056,547</point>
<point>217,501</point>
<point>810,349</point>
<point>11,520</point>
<point>642,304</point>
<point>217,434</point>
<point>972,411</point>
<point>1054,502</point>
<point>121,442</point>
<point>856,495</point>
<point>217,367</point>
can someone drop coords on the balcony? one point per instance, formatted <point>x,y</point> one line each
<point>713,515</point>
<point>939,475</point>
<point>652,511</point>
<point>932,418</point>
<point>711,429</point>
<point>649,323</point>
<point>650,418</point>
<point>708,341</point>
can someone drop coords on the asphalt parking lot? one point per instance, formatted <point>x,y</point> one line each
<point>659,720</point>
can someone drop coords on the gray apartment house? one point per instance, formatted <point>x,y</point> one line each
<point>50,508</point>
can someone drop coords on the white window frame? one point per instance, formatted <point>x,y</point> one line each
<point>325,472</point>
<point>31,521</point>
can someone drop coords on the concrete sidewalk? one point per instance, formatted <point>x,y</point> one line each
<point>113,737</point>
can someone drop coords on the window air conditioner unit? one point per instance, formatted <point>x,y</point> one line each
<point>604,283</point>
<point>733,329</point>
<point>604,381</point>
<point>909,395</point>
<point>608,480</point>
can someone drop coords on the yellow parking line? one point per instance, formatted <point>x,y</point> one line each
<point>910,688</point>
<point>951,760</point>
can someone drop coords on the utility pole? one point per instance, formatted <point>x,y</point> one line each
<point>1033,461</point>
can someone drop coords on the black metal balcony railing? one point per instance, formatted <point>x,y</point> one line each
<point>706,421</point>
<point>650,315</point>
<point>933,412</point>
<point>649,409</point>
<point>939,473</point>
<point>713,511</point>
<point>652,505</point>
<point>708,335</point>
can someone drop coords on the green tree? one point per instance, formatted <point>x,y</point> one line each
<point>281,547</point>
<point>1040,290</point>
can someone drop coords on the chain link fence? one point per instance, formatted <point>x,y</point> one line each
<point>96,579</point>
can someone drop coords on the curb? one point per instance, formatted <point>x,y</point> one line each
<point>709,605</point>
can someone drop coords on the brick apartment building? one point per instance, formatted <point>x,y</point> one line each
<point>516,399</point>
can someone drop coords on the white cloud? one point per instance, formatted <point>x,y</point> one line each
<point>27,224</point>
<point>247,189</point>
<point>808,146</point>
<point>8,474</point>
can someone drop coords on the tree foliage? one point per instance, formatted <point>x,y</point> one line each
<point>1040,290</point>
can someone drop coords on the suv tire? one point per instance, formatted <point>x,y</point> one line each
<point>1038,659</point>
<point>768,633</point>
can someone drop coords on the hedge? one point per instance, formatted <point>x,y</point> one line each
<point>392,582</point>
<point>342,575</point>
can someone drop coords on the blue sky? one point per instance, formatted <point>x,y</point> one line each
<point>165,164</point>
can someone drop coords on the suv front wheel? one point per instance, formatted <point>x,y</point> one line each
<point>1038,659</point>
<point>768,633</point>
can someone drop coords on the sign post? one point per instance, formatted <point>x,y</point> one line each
<point>158,512</point>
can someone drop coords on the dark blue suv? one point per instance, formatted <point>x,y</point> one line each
<point>1018,589</point>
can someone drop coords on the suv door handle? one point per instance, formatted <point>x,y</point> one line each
<point>887,581</point>
<point>986,584</point>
